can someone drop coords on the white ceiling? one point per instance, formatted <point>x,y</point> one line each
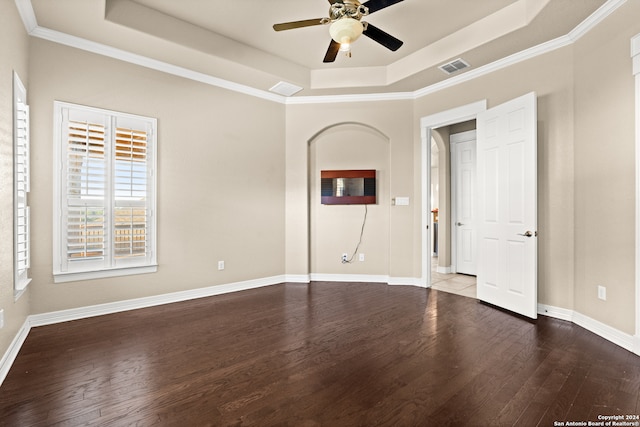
<point>234,39</point>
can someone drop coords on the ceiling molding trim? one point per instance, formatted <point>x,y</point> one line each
<point>25,9</point>
<point>495,66</point>
<point>28,16</point>
<point>368,97</point>
<point>583,28</point>
<point>595,18</point>
<point>154,64</point>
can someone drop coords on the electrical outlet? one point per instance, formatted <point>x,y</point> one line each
<point>220,265</point>
<point>1,319</point>
<point>345,257</point>
<point>602,293</point>
<point>361,257</point>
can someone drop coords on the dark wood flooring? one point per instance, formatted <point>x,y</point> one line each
<point>324,354</point>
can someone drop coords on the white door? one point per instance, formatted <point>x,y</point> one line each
<point>463,150</point>
<point>507,220</point>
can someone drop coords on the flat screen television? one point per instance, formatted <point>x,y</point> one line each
<point>348,187</point>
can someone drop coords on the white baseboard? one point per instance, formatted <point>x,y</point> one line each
<point>12,352</point>
<point>622,339</point>
<point>367,278</point>
<point>444,270</point>
<point>51,318</point>
<point>320,277</point>
<point>406,281</point>
<point>555,312</point>
<point>297,278</point>
<point>116,307</point>
<point>617,337</point>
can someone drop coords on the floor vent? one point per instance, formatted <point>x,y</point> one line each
<point>453,66</point>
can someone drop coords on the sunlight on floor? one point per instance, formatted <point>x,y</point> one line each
<point>459,284</point>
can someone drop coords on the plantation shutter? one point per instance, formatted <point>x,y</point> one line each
<point>107,191</point>
<point>85,192</point>
<point>22,177</point>
<point>131,173</point>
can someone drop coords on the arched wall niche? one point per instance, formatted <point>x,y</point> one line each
<point>336,229</point>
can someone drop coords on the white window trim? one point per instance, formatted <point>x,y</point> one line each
<point>61,276</point>
<point>21,278</point>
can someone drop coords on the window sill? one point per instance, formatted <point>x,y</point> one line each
<point>17,293</point>
<point>102,274</point>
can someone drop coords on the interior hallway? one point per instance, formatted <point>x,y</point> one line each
<point>459,284</point>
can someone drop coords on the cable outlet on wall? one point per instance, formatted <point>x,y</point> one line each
<point>344,257</point>
<point>602,292</point>
<point>361,257</point>
<point>220,265</point>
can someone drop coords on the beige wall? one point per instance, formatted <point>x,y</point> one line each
<point>586,164</point>
<point>605,170</point>
<point>14,45</point>
<point>248,178</point>
<point>305,126</point>
<point>220,176</point>
<point>550,76</point>
<point>336,229</point>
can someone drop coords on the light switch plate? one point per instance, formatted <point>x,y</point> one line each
<point>402,201</point>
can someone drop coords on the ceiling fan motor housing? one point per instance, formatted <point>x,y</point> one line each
<point>346,25</point>
<point>347,9</point>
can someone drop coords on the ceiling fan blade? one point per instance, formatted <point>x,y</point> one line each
<point>376,5</point>
<point>297,24</point>
<point>385,39</point>
<point>332,52</point>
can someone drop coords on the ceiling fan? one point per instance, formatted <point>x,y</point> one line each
<point>346,25</point>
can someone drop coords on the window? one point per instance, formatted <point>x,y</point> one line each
<point>21,226</point>
<point>105,193</point>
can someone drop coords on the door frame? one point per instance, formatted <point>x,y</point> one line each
<point>427,123</point>
<point>463,137</point>
<point>635,55</point>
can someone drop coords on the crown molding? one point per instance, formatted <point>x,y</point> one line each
<point>595,18</point>
<point>368,97</point>
<point>28,16</point>
<point>25,9</point>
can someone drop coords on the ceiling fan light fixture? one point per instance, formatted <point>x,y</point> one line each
<point>345,31</point>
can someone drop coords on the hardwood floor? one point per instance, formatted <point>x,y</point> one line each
<point>331,354</point>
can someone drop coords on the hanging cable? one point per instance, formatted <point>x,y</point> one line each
<point>364,221</point>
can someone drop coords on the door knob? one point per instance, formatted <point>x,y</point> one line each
<point>527,234</point>
<point>459,224</point>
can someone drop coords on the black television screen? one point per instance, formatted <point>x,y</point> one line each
<point>348,187</point>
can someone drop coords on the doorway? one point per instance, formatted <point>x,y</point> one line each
<point>452,186</point>
<point>507,200</point>
<point>429,125</point>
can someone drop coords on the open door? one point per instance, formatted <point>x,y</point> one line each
<point>463,168</point>
<point>507,206</point>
